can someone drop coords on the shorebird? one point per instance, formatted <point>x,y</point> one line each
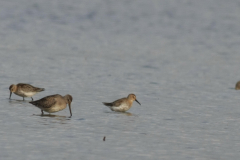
<point>123,104</point>
<point>24,90</point>
<point>237,85</point>
<point>53,103</point>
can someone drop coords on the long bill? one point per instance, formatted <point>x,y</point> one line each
<point>10,95</point>
<point>70,109</point>
<point>137,101</point>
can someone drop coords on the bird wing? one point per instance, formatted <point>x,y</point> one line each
<point>28,87</point>
<point>45,102</point>
<point>118,102</point>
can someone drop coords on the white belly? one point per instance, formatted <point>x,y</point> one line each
<point>122,108</point>
<point>25,94</point>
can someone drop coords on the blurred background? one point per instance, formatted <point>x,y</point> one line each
<point>180,58</point>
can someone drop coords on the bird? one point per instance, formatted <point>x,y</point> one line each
<point>123,104</point>
<point>24,90</point>
<point>54,103</point>
<point>237,87</point>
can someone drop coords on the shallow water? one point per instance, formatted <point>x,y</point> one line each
<point>180,58</point>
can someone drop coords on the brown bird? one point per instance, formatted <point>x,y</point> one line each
<point>237,85</point>
<point>123,104</point>
<point>24,90</point>
<point>54,103</point>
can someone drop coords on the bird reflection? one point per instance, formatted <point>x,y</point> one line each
<point>49,115</point>
<point>125,113</point>
<point>17,101</point>
<point>49,119</point>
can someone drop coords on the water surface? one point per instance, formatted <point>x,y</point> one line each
<point>180,58</point>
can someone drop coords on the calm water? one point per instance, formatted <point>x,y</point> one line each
<point>180,58</point>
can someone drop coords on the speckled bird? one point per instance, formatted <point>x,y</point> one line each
<point>54,103</point>
<point>24,90</point>
<point>123,104</point>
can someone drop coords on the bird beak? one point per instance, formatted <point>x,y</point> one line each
<point>70,109</point>
<point>10,95</point>
<point>137,101</point>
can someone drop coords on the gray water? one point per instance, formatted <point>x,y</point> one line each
<point>180,58</point>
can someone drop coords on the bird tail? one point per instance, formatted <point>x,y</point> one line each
<point>40,89</point>
<point>107,104</point>
<point>35,103</point>
<point>32,102</point>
